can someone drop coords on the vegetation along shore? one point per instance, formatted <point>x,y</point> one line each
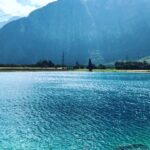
<point>47,65</point>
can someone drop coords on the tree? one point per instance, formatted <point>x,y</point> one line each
<point>90,65</point>
<point>101,66</point>
<point>45,63</point>
<point>77,66</point>
<point>132,65</point>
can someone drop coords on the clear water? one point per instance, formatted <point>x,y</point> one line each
<point>73,111</point>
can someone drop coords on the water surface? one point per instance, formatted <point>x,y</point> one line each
<point>73,111</point>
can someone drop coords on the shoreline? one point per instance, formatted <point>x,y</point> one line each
<point>115,70</point>
<point>29,69</point>
<point>38,69</point>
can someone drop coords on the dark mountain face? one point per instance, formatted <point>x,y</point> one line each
<point>104,30</point>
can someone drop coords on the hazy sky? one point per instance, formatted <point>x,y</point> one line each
<point>9,8</point>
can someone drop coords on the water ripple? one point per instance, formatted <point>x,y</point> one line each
<point>74,111</point>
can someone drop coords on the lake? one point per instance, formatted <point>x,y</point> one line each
<point>73,110</point>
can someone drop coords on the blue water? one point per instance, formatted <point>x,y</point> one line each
<point>73,111</point>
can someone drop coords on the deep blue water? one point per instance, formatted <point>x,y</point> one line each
<point>73,111</point>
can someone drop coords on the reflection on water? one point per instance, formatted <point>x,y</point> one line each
<point>74,111</point>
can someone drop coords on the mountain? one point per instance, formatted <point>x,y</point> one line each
<point>147,59</point>
<point>3,23</point>
<point>104,30</point>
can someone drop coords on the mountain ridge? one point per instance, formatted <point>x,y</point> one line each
<point>81,29</point>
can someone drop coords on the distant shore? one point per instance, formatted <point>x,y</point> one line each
<point>38,69</point>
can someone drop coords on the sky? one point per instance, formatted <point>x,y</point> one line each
<point>10,8</point>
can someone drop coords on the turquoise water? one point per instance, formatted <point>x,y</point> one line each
<point>73,111</point>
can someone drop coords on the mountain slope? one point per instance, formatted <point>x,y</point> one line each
<point>2,24</point>
<point>147,59</point>
<point>104,30</point>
